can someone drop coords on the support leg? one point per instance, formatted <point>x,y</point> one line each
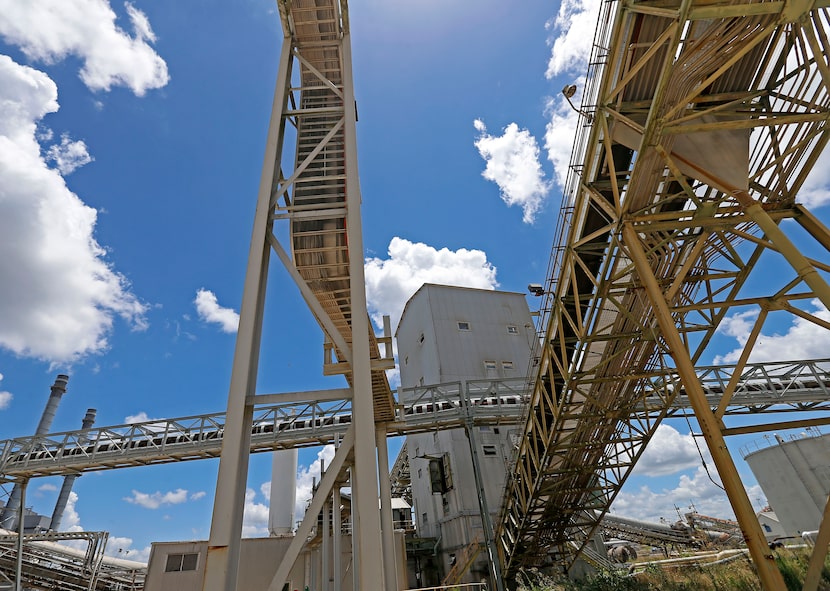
<point>768,572</point>
<point>387,523</point>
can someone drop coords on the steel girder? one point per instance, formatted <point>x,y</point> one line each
<point>309,178</point>
<point>765,389</point>
<point>700,122</point>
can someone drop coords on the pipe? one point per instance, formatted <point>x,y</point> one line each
<point>8,519</point>
<point>337,530</point>
<point>18,571</point>
<point>69,480</point>
<point>325,549</point>
<point>390,573</point>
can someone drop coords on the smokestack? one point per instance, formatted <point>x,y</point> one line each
<point>283,492</point>
<point>69,481</point>
<point>8,519</point>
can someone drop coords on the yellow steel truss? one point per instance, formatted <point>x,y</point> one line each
<point>700,123</point>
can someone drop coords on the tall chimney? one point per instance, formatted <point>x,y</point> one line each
<point>8,520</point>
<point>69,480</point>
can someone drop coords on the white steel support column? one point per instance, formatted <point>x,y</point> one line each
<point>390,570</point>
<point>222,561</point>
<point>364,475</point>
<point>337,531</point>
<point>325,549</point>
<point>768,573</point>
<point>355,517</point>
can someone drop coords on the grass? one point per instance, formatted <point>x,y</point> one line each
<point>736,575</point>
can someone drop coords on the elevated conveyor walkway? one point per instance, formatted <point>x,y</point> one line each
<point>699,123</point>
<point>763,389</point>
<point>314,198</point>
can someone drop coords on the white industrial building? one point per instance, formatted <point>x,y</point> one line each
<point>794,474</point>
<point>455,334</point>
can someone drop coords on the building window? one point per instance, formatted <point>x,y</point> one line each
<point>406,360</point>
<point>424,518</point>
<point>512,329</point>
<point>507,365</point>
<point>489,450</point>
<point>181,562</point>
<point>490,365</point>
<point>421,338</point>
<point>419,474</point>
<point>463,325</point>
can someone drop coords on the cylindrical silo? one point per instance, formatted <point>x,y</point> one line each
<point>795,478</point>
<point>283,492</point>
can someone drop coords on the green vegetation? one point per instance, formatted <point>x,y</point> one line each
<point>734,575</point>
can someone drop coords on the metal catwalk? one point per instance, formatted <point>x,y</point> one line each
<point>700,121</point>
<point>763,388</point>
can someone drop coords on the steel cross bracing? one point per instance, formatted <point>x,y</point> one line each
<point>700,121</point>
<point>310,180</point>
<point>314,197</point>
<point>277,426</point>
<point>763,388</point>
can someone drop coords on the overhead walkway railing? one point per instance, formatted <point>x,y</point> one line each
<point>772,387</point>
<point>699,123</point>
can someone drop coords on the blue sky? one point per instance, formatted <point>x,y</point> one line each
<point>131,141</point>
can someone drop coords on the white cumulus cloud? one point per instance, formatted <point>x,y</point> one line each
<point>572,36</point>
<point>391,282</point>
<point>801,340</point>
<point>139,417</point>
<point>694,489</point>
<point>815,191</point>
<point>513,164</point>
<point>158,498</point>
<point>306,476</point>
<point>209,310</point>
<point>51,30</point>
<point>5,397</point>
<point>255,516</point>
<point>120,547</point>
<point>60,293</point>
<point>669,452</point>
<point>68,155</point>
<point>559,136</point>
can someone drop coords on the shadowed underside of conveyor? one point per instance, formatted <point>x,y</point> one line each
<point>693,110</point>
<point>318,203</point>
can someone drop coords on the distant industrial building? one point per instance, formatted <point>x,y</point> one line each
<point>455,334</point>
<point>794,474</point>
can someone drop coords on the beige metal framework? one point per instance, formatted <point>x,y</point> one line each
<point>699,124</point>
<point>309,179</point>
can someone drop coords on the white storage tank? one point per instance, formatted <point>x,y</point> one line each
<point>794,473</point>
